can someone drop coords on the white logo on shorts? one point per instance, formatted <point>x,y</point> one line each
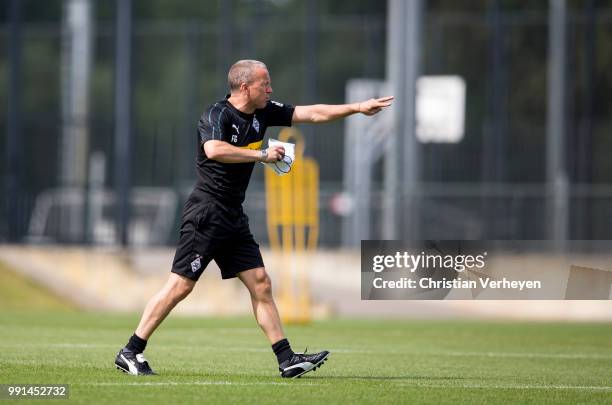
<point>196,265</point>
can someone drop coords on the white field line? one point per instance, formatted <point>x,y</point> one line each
<point>330,381</point>
<point>204,347</point>
<point>527,355</point>
<point>589,356</point>
<point>512,387</point>
<point>178,383</point>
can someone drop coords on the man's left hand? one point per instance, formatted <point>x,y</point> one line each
<point>375,105</point>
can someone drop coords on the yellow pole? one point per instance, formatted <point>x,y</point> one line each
<point>293,226</point>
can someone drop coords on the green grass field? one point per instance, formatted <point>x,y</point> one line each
<point>203,360</point>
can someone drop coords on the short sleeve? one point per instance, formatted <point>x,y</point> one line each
<point>278,114</point>
<point>212,124</point>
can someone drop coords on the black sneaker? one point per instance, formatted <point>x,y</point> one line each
<point>301,363</point>
<point>132,363</point>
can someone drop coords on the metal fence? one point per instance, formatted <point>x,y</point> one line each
<point>446,211</point>
<point>487,186</point>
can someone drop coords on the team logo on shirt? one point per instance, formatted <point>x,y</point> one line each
<point>255,124</point>
<point>276,103</point>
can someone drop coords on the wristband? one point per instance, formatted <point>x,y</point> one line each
<point>263,154</point>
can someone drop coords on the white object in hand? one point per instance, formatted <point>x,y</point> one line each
<point>283,166</point>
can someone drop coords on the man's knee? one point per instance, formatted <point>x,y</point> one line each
<point>180,287</point>
<point>263,286</point>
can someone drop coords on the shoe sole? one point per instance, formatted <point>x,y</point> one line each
<point>122,369</point>
<point>118,367</point>
<point>319,364</point>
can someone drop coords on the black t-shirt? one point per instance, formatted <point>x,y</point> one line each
<point>227,182</point>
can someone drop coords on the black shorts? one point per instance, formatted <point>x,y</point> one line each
<point>211,230</point>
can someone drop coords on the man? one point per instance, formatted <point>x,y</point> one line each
<point>214,226</point>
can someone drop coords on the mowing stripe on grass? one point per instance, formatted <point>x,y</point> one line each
<point>527,355</point>
<point>513,387</point>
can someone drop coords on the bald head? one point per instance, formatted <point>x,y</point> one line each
<point>243,71</point>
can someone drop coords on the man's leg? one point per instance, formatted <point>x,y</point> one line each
<point>130,358</point>
<point>290,364</point>
<point>259,285</point>
<point>174,291</point>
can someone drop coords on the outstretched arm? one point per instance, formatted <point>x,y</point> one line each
<point>318,113</point>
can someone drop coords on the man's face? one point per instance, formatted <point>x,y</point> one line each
<point>260,89</point>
